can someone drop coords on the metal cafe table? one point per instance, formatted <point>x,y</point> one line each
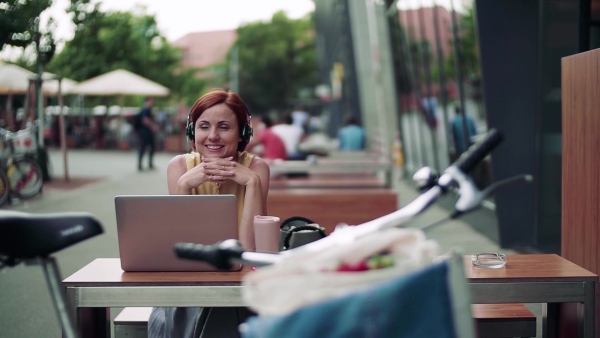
<point>545,278</point>
<point>101,285</point>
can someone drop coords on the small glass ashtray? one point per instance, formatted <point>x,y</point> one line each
<point>489,260</point>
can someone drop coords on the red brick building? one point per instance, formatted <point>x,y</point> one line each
<point>202,49</point>
<point>411,20</point>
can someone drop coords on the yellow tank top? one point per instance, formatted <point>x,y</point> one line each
<point>208,188</point>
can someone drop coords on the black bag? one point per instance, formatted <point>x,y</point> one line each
<point>137,121</point>
<point>297,231</point>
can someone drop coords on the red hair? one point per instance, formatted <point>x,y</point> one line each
<point>229,98</point>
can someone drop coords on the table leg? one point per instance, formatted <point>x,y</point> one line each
<point>93,322</point>
<point>550,320</point>
<point>586,318</point>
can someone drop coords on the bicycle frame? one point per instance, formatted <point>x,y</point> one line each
<point>54,282</point>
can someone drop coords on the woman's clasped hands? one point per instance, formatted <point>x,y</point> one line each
<point>215,169</point>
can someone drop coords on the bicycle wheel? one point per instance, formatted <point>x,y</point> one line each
<point>25,176</point>
<point>4,187</point>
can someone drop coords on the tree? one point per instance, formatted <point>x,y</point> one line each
<point>399,40</point>
<point>468,47</point>
<point>20,27</point>
<point>114,40</point>
<point>277,59</point>
<point>19,21</point>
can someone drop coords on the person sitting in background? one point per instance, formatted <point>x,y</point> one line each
<point>351,136</point>
<point>300,117</point>
<point>291,135</point>
<point>219,131</point>
<point>317,143</point>
<point>273,147</point>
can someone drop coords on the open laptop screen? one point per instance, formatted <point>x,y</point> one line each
<point>148,226</point>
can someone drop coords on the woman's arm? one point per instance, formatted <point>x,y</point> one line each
<point>175,170</point>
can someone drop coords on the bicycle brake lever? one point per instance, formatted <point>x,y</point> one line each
<point>471,198</point>
<point>506,182</point>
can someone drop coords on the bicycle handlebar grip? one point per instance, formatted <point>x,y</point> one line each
<point>478,151</point>
<point>219,255</point>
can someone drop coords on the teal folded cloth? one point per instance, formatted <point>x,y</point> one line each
<point>414,305</point>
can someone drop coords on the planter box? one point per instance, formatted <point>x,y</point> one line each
<point>174,144</point>
<point>123,145</point>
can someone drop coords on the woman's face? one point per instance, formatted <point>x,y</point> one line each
<point>217,132</point>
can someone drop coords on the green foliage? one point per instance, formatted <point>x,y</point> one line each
<point>20,27</point>
<point>277,59</point>
<point>400,58</point>
<point>121,40</point>
<point>190,88</point>
<point>77,60</point>
<point>19,20</point>
<point>468,46</point>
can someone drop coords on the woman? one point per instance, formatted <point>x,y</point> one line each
<point>219,130</point>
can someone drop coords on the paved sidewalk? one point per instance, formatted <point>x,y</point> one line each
<point>97,177</point>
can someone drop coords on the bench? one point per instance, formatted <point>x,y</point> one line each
<point>492,321</point>
<point>347,180</point>
<point>329,166</point>
<point>132,322</point>
<point>504,320</point>
<point>331,206</point>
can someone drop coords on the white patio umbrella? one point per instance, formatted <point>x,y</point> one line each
<point>14,79</point>
<point>50,84</point>
<point>118,83</point>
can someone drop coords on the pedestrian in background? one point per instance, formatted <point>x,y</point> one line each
<point>146,129</point>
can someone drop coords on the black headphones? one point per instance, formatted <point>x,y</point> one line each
<point>295,224</point>
<point>245,131</point>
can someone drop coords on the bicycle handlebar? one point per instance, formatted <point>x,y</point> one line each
<point>478,151</point>
<point>220,255</point>
<point>225,254</point>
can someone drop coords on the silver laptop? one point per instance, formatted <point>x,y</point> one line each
<point>148,226</point>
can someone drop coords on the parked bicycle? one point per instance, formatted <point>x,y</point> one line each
<point>20,174</point>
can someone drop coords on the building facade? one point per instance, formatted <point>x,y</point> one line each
<point>498,61</point>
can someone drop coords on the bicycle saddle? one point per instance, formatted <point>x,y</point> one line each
<point>25,235</point>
